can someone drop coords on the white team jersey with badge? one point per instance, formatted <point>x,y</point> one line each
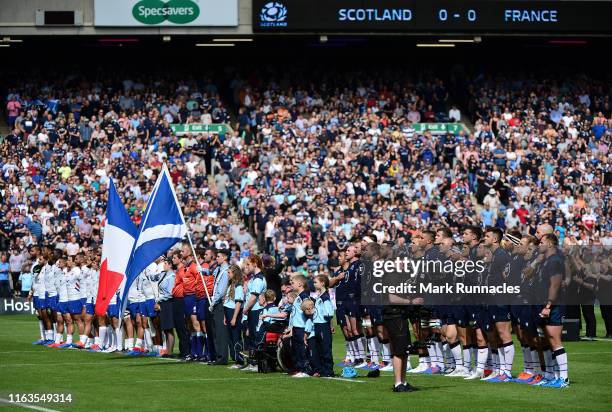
<point>73,283</point>
<point>92,285</point>
<point>85,279</point>
<point>38,283</point>
<point>48,275</point>
<point>58,273</point>
<point>148,285</point>
<point>135,294</point>
<point>61,285</point>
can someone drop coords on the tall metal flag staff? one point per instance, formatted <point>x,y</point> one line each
<point>162,226</point>
<point>119,237</point>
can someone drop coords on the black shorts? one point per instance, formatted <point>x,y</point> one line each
<point>351,308</point>
<point>557,313</point>
<point>459,315</point>
<point>340,318</point>
<point>523,316</point>
<point>166,318</point>
<point>483,318</point>
<point>500,313</point>
<point>399,335</point>
<point>374,312</point>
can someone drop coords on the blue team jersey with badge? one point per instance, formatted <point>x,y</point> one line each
<point>552,266</point>
<point>309,328</point>
<point>324,310</point>
<point>354,274</point>
<point>270,309</point>
<point>257,286</point>
<point>298,319</point>
<point>238,297</point>
<point>499,263</point>
<point>342,286</point>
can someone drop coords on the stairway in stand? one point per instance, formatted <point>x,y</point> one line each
<point>4,129</point>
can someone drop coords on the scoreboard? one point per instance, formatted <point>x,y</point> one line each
<point>425,16</point>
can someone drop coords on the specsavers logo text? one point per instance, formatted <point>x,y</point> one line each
<point>157,11</point>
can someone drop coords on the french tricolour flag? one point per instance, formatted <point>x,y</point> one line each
<point>161,227</point>
<point>119,238</point>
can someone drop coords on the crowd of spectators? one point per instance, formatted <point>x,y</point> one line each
<point>312,160</point>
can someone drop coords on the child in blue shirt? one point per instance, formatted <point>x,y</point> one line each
<point>232,306</point>
<point>297,325</point>
<point>323,314</point>
<point>266,317</point>
<point>308,308</point>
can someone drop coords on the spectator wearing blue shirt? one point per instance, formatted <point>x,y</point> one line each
<point>25,279</point>
<point>35,228</point>
<point>219,332</point>
<point>5,287</point>
<point>500,156</point>
<point>487,215</point>
<point>598,130</point>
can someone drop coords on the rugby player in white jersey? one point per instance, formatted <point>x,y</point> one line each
<point>46,272</point>
<point>38,293</point>
<point>149,289</point>
<point>135,307</point>
<point>63,306</point>
<point>74,281</point>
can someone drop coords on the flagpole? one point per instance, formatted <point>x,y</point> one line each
<point>198,265</point>
<point>195,256</point>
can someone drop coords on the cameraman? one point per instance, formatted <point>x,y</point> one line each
<point>395,320</point>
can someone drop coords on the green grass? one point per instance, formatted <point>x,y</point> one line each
<point>101,382</point>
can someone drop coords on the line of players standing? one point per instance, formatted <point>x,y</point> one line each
<point>63,291</point>
<point>469,339</point>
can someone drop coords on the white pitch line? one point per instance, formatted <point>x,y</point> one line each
<point>213,379</point>
<point>27,406</point>
<point>27,351</point>
<point>108,363</point>
<point>252,378</point>
<point>345,380</point>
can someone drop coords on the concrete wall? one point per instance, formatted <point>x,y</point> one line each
<point>18,18</point>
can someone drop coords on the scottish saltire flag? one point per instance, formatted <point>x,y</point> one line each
<point>52,105</point>
<point>119,238</point>
<point>161,227</point>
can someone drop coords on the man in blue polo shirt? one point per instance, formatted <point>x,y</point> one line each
<point>219,332</point>
<point>5,288</point>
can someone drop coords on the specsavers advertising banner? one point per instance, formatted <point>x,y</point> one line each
<point>134,13</point>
